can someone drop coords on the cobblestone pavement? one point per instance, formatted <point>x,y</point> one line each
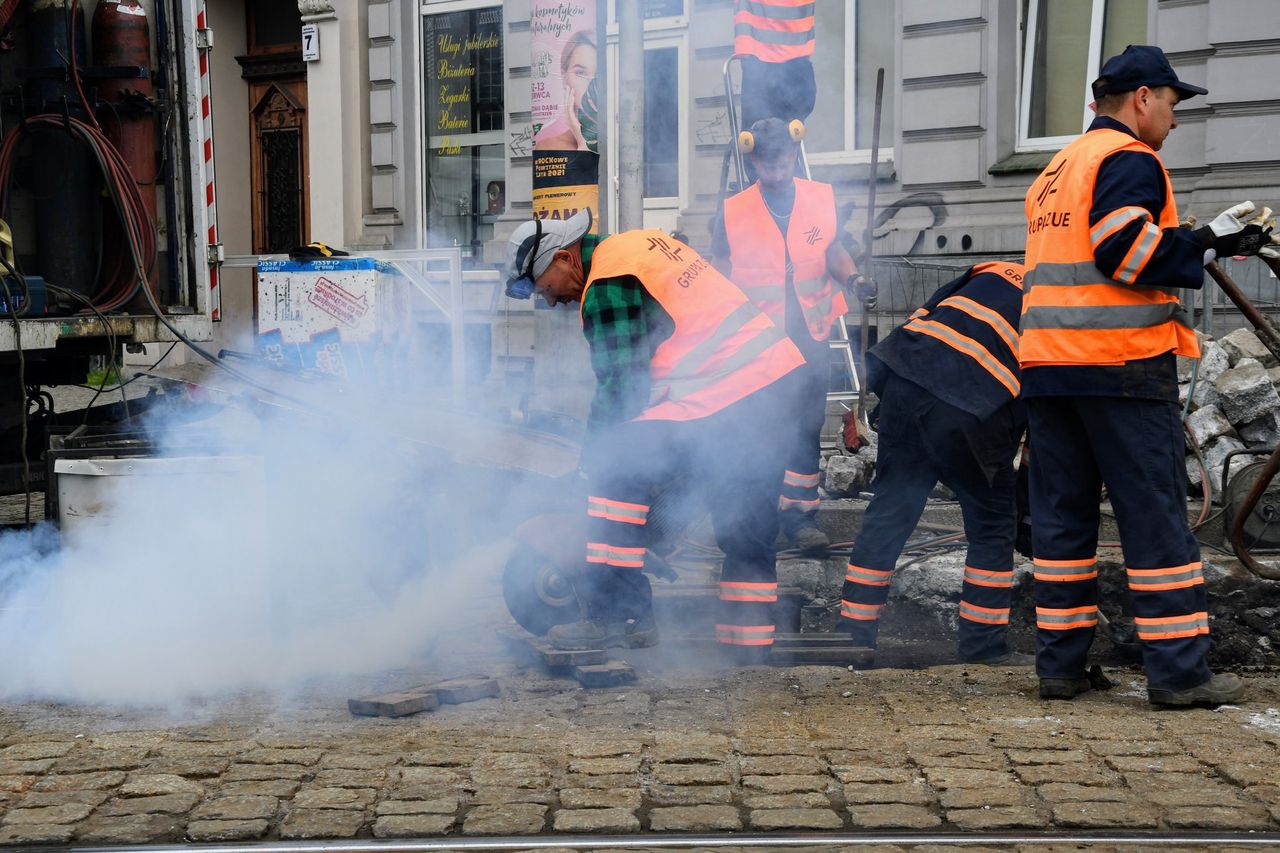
<point>809,748</point>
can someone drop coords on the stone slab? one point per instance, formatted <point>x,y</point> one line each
<point>412,825</point>
<point>619,820</point>
<point>695,819</point>
<point>400,704</point>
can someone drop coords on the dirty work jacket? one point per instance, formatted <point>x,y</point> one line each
<point>1074,313</point>
<point>773,30</point>
<point>723,348</point>
<point>765,261</point>
<point>962,345</point>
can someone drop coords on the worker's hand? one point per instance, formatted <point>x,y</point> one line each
<point>1238,230</point>
<point>1272,249</point>
<point>865,289</point>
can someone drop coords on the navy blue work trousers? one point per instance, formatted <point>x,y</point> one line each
<point>1135,448</point>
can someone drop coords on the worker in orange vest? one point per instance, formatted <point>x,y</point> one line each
<point>690,378</point>
<point>1101,324</point>
<point>776,40</point>
<point>778,241</point>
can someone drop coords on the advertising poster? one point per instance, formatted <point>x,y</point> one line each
<point>566,105</point>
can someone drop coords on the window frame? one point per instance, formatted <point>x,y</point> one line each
<point>1026,63</point>
<point>849,154</point>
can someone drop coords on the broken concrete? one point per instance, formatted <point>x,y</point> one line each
<point>1244,343</point>
<point>1246,393</point>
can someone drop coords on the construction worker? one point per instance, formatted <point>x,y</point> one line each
<point>1100,326</point>
<point>778,241</point>
<point>689,374</point>
<point>948,387</point>
<point>776,40</point>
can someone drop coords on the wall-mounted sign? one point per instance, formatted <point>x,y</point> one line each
<point>310,42</point>
<point>662,8</point>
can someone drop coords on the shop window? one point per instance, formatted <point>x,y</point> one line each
<point>854,39</point>
<point>1064,44</point>
<point>463,112</point>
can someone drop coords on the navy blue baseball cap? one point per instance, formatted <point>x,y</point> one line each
<point>1141,65</point>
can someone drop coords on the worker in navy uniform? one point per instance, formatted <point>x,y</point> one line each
<point>778,240</point>
<point>1101,325</point>
<point>948,387</point>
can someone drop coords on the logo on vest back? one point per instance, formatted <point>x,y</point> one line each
<point>672,252</point>
<point>1052,186</point>
<point>813,235</point>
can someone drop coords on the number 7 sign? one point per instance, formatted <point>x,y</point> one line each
<point>310,42</point>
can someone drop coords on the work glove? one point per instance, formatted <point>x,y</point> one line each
<point>1271,250</point>
<point>1238,230</point>
<point>865,289</point>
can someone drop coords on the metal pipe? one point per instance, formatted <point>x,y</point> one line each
<point>739,167</point>
<point>1207,840</point>
<point>630,115</point>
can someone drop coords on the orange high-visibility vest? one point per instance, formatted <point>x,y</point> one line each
<point>773,30</point>
<point>1071,312</point>
<point>723,347</point>
<point>759,254</point>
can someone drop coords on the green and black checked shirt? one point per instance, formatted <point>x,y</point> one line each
<point>623,325</point>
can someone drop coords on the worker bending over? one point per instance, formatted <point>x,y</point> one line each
<point>690,378</point>
<point>778,241</point>
<point>948,387</point>
<point>1100,326</point>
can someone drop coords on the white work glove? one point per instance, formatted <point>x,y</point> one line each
<point>1238,230</point>
<point>1272,248</point>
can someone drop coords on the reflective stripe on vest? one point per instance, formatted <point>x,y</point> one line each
<point>985,615</point>
<point>745,635</point>
<point>1071,311</point>
<point>1158,580</point>
<point>1066,570</point>
<point>774,30</point>
<point>722,348</point>
<point>1066,619</point>
<point>758,253</point>
<point>969,347</point>
<point>1172,627</point>
<point>761,593</point>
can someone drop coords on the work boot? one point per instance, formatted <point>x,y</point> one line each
<point>808,538</point>
<point>601,634</point>
<point>1064,688</point>
<point>1010,658</point>
<point>1220,689</point>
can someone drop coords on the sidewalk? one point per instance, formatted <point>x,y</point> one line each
<point>809,748</point>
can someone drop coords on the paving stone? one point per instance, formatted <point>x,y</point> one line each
<point>35,751</point>
<point>795,819</point>
<point>1126,747</point>
<point>1217,817</point>
<point>333,798</point>
<point>96,760</point>
<point>1154,763</point>
<point>807,800</point>
<point>157,785</point>
<point>606,766</point>
<point>441,756</point>
<point>1246,774</point>
<point>190,768</point>
<point>988,762</point>
<point>243,807</point>
<point>596,820</point>
<point>509,779</point>
<point>995,817</point>
<point>303,757</point>
<point>265,772</point>
<point>976,798</point>
<point>1106,815</point>
<point>954,777</point>
<point>690,795</point>
<point>32,833</point>
<point>38,799</point>
<point>1200,795</point>
<point>498,796</point>
<point>16,784</point>
<point>266,788</point>
<point>45,815</point>
<point>1075,774</point>
<point>412,825</point>
<point>605,748</point>
<point>898,792</point>
<point>782,765</point>
<point>431,776</point>
<point>786,784</point>
<point>596,798</point>
<point>24,768</point>
<point>613,780</point>
<point>1060,792</point>
<point>82,781</point>
<point>509,819</point>
<point>1047,756</point>
<point>873,774</point>
<point>359,761</point>
<point>321,823</point>
<point>695,819</point>
<point>161,804</point>
<point>344,778</point>
<point>440,805</point>
<point>692,774</point>
<point>893,816</point>
<point>683,749</point>
<point>398,704</point>
<point>131,829</point>
<point>201,749</point>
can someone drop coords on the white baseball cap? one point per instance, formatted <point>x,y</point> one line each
<point>542,238</point>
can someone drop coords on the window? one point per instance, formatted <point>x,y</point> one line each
<point>463,112</point>
<point>1064,44</point>
<point>835,130</point>
<point>661,123</point>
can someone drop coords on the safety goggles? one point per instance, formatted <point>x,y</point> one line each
<point>523,286</point>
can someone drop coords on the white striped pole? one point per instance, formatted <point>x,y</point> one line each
<point>211,208</point>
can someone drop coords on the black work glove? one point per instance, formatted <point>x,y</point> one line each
<point>1247,241</point>
<point>865,289</point>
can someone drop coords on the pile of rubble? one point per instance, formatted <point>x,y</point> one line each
<point>1234,402</point>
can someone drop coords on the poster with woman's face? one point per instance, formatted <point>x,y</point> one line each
<point>564,99</point>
